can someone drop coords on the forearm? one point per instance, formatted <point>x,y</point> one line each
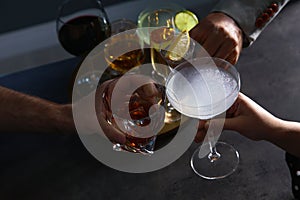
<point>251,15</point>
<point>287,137</point>
<point>24,113</point>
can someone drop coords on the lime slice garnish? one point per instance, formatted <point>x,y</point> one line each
<point>185,20</point>
<point>179,47</point>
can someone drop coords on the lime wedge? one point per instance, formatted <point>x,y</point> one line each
<point>179,47</point>
<point>185,20</point>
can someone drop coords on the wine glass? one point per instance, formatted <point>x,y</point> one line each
<point>179,49</point>
<point>162,29</point>
<point>82,25</point>
<point>205,88</point>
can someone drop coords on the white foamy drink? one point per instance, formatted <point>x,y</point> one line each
<point>202,92</point>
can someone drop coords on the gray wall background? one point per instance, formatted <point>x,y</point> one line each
<point>19,14</point>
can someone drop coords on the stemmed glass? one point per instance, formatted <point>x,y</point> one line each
<point>178,49</point>
<point>123,52</point>
<point>82,25</point>
<point>160,20</point>
<point>155,17</point>
<point>205,88</point>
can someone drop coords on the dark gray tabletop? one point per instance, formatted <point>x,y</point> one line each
<point>36,166</point>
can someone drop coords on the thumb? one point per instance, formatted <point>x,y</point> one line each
<point>230,124</point>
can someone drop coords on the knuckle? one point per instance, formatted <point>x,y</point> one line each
<point>232,41</point>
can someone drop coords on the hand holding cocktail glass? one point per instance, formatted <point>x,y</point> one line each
<point>205,88</point>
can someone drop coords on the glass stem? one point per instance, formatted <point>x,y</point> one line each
<point>213,155</point>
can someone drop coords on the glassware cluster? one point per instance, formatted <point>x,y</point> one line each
<point>202,88</point>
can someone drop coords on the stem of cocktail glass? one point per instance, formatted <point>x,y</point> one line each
<point>213,155</point>
<point>213,134</point>
<point>171,114</point>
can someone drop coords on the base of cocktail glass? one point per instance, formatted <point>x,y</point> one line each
<point>216,167</point>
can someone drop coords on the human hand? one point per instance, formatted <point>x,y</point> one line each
<point>220,36</point>
<point>102,106</point>
<point>140,101</point>
<point>89,122</point>
<point>247,118</point>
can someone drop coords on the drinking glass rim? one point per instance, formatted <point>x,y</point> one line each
<point>163,5</point>
<point>168,6</point>
<point>236,76</point>
<point>150,115</point>
<point>159,102</point>
<point>65,2</point>
<point>143,118</point>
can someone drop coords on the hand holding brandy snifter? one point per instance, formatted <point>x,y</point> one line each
<point>81,25</point>
<point>132,104</point>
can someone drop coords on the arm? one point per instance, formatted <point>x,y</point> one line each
<point>252,16</point>
<point>24,113</point>
<point>142,99</point>
<point>220,36</point>
<point>254,122</point>
<point>288,137</point>
<point>234,24</point>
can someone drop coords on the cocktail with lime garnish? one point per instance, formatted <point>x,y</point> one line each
<point>169,41</point>
<point>171,44</point>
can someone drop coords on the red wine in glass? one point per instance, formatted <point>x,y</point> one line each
<point>82,25</point>
<point>79,35</point>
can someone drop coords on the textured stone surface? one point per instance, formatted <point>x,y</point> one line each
<point>59,167</point>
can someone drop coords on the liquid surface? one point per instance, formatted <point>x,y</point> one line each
<point>80,35</point>
<point>203,92</point>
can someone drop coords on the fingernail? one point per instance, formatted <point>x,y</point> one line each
<point>206,125</point>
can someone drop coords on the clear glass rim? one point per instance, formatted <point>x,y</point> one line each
<point>160,102</point>
<point>235,76</point>
<point>66,2</point>
<point>168,6</point>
